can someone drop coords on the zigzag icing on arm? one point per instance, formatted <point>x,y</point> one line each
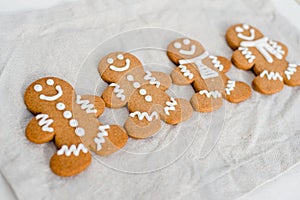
<point>229,87</point>
<point>118,91</point>
<point>247,54</point>
<point>216,62</point>
<point>85,105</point>
<point>215,93</point>
<point>99,140</point>
<point>186,72</point>
<point>170,105</point>
<point>152,80</point>
<point>291,69</point>
<point>145,115</point>
<point>65,150</point>
<point>45,122</point>
<point>271,75</point>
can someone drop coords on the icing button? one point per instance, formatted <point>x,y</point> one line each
<point>136,85</point>
<point>130,78</point>
<point>67,114</point>
<point>148,98</point>
<point>60,106</point>
<point>143,92</point>
<point>79,131</point>
<point>73,123</point>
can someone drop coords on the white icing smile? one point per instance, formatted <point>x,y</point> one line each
<point>186,41</point>
<point>240,31</point>
<point>118,69</point>
<point>54,97</point>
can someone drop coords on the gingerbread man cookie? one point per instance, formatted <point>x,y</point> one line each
<point>143,92</point>
<point>267,58</point>
<point>206,73</point>
<point>71,121</point>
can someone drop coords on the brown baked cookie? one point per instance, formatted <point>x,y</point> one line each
<point>143,92</point>
<point>267,58</point>
<point>206,73</point>
<point>71,121</point>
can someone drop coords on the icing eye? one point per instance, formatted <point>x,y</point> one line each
<point>177,45</point>
<point>110,60</point>
<point>38,88</point>
<point>239,29</point>
<point>120,56</point>
<point>50,82</point>
<point>246,26</point>
<point>186,41</point>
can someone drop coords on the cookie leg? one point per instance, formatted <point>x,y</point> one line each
<point>292,75</point>
<point>235,91</point>
<point>268,82</point>
<point>207,101</point>
<point>142,124</point>
<point>39,130</point>
<point>176,111</point>
<point>70,160</point>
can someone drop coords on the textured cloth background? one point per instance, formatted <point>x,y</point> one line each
<point>258,139</point>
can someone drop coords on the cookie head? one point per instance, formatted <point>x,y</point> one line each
<point>44,93</point>
<point>113,66</point>
<point>242,32</point>
<point>184,48</point>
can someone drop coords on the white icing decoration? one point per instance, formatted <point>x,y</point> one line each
<point>50,82</point>
<point>215,94</point>
<point>216,62</point>
<point>266,47</point>
<point>205,71</point>
<point>45,122</point>
<point>67,114</point>
<point>239,29</point>
<point>110,60</point>
<point>130,78</point>
<point>148,98</point>
<point>247,54</point>
<point>188,52</point>
<point>292,68</point>
<point>136,85</point>
<point>73,123</point>
<point>245,37</point>
<point>177,45</point>
<point>152,80</point>
<point>79,131</point>
<point>65,150</point>
<point>186,72</point>
<point>170,106</point>
<point>145,115</point>
<point>229,87</point>
<point>120,56</point>
<point>99,139</point>
<point>246,26</point>
<point>54,97</point>
<point>271,75</point>
<point>85,105</point>
<point>60,106</point>
<point>38,87</point>
<point>143,92</point>
<point>120,69</point>
<point>186,41</point>
<point>118,91</point>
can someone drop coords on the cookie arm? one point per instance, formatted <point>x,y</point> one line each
<point>91,104</point>
<point>114,96</point>
<point>291,75</point>
<point>164,79</point>
<point>184,74</point>
<point>243,58</point>
<point>39,130</point>
<point>220,63</point>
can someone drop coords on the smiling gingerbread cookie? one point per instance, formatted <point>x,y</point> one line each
<point>143,92</point>
<point>71,121</point>
<point>267,58</point>
<point>206,73</point>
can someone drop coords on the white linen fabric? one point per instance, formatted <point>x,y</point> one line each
<point>220,155</point>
